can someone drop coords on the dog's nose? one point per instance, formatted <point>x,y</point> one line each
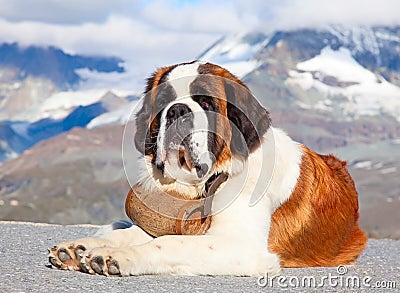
<point>176,111</point>
<point>201,170</point>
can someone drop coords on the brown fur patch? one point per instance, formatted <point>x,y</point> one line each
<point>223,130</point>
<point>254,119</point>
<point>318,224</point>
<point>213,69</point>
<point>154,82</point>
<point>214,87</point>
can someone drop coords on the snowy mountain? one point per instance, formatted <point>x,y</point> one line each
<point>40,95</point>
<point>81,109</point>
<point>336,74</point>
<point>341,83</point>
<point>236,52</point>
<point>53,64</point>
<point>375,48</point>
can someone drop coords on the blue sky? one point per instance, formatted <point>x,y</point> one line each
<point>183,2</point>
<point>149,34</point>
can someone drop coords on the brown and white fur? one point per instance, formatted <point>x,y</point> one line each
<point>308,215</point>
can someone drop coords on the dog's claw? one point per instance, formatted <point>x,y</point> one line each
<point>63,255</point>
<point>66,257</point>
<point>97,264</point>
<point>113,267</point>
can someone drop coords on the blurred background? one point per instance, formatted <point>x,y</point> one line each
<point>72,71</point>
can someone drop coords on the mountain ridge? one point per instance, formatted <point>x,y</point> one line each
<point>373,47</point>
<point>40,95</point>
<point>54,64</point>
<point>274,66</point>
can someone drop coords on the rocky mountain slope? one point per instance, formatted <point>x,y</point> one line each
<point>75,177</point>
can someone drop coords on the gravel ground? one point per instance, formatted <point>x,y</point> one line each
<point>24,268</point>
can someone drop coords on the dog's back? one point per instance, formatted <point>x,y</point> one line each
<point>318,224</point>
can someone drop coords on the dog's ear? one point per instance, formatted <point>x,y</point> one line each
<point>250,120</point>
<point>142,120</point>
<point>143,117</point>
<point>156,96</point>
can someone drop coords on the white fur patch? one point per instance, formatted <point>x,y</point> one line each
<point>180,79</point>
<point>232,205</point>
<point>288,157</point>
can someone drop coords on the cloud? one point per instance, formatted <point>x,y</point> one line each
<point>143,46</point>
<point>149,34</point>
<point>241,15</point>
<point>303,13</point>
<point>202,16</point>
<point>206,15</point>
<point>65,12</point>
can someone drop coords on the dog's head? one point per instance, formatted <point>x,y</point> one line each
<point>195,121</point>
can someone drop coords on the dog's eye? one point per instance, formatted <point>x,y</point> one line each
<point>206,103</point>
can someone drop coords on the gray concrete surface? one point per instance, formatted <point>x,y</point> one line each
<point>24,268</point>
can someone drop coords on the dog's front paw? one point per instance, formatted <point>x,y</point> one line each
<point>108,261</point>
<point>66,256</point>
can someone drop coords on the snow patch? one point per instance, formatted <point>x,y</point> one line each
<point>120,116</point>
<point>234,54</point>
<point>363,165</point>
<point>241,68</point>
<point>60,104</point>
<point>358,38</point>
<point>21,128</point>
<point>118,81</point>
<point>366,93</point>
<point>339,64</point>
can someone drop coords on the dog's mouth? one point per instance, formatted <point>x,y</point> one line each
<point>185,160</point>
<point>181,164</point>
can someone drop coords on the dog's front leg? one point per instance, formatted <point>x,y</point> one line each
<point>184,255</point>
<point>67,255</point>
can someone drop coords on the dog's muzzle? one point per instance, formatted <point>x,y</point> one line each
<point>185,152</point>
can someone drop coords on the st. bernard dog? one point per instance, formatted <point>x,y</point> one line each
<point>198,120</point>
